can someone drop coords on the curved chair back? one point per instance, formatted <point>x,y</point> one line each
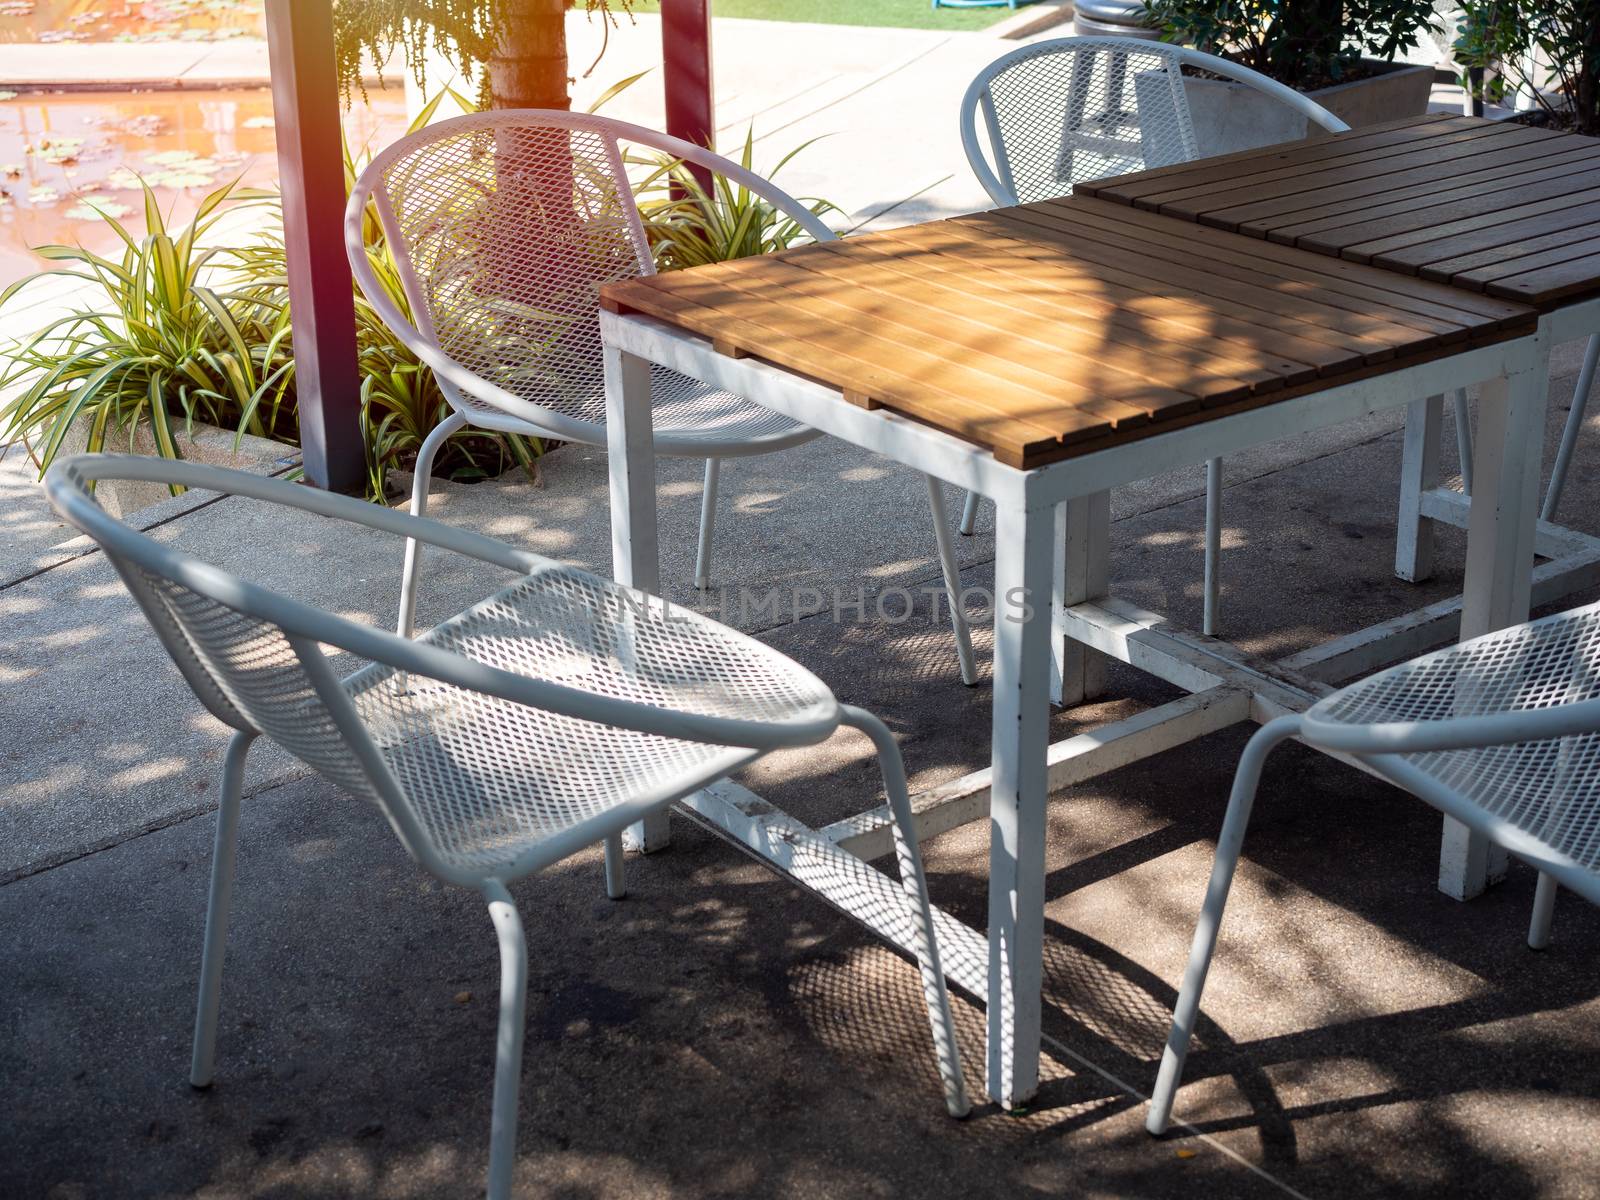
<point>503,226</point>
<point>255,657</point>
<point>1061,112</point>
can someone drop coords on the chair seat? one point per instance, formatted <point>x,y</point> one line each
<point>1549,789</point>
<point>691,418</point>
<point>490,779</point>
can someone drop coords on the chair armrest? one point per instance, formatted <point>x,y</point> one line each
<point>1455,733</point>
<point>59,486</point>
<point>64,484</point>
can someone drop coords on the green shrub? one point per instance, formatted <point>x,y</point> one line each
<point>689,226</point>
<point>1302,43</point>
<point>179,336</point>
<point>1564,35</point>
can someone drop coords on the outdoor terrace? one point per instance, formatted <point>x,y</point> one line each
<point>722,1032</point>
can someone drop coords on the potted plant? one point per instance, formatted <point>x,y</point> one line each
<point>1549,50</point>
<point>1340,53</point>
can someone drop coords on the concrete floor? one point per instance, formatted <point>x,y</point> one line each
<point>720,1033</point>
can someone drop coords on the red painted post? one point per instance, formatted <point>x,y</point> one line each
<point>686,58</point>
<point>305,105</point>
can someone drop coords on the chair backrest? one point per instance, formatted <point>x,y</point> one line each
<point>1060,112</point>
<point>244,651</point>
<point>256,660</point>
<point>503,226</point>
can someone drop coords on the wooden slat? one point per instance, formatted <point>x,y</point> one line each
<point>1460,201</point>
<point>1157,321</point>
<point>1562,281</point>
<point>1048,372</point>
<point>1045,331</point>
<point>1123,189</point>
<point>1346,202</point>
<point>1486,266</point>
<point>1425,305</point>
<point>1460,151</point>
<point>1120,344</point>
<point>1353,151</point>
<point>1419,247</point>
<point>867,380</point>
<point>1491,187</point>
<point>943,386</point>
<point>1428,222</point>
<point>1231,276</point>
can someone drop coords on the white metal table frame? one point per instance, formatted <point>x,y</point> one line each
<point>1467,863</point>
<point>1051,539</point>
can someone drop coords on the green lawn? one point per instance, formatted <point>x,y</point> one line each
<point>904,14</point>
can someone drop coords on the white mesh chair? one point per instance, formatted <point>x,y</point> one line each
<point>539,721</point>
<point>503,226</point>
<point>1501,732</point>
<point>1061,112</point>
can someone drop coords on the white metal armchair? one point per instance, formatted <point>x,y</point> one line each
<point>539,721</point>
<point>1061,112</point>
<point>503,226</point>
<point>1501,732</point>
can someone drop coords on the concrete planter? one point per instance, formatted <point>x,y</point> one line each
<point>207,444</point>
<point>1233,116</point>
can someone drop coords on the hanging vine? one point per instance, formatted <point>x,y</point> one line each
<point>462,32</point>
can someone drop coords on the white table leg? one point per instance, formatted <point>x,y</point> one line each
<point>1499,577</point>
<point>1419,473</point>
<point>630,441</point>
<point>1025,561</point>
<point>1082,536</point>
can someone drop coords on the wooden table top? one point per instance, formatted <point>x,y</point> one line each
<point>1508,210</point>
<point>1053,329</point>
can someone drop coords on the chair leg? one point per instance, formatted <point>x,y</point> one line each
<point>421,482</point>
<point>616,881</point>
<point>508,1042</point>
<point>916,887</point>
<point>1213,568</point>
<point>1544,911</point>
<point>1569,434</point>
<point>952,582</point>
<point>969,515</point>
<point>202,1062</point>
<point>1419,473</point>
<point>1245,781</point>
<point>708,524</point>
<point>1463,438</point>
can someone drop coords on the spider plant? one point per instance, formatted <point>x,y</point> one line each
<point>690,224</point>
<point>163,342</point>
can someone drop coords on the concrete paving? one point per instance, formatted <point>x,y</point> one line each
<point>719,1033</point>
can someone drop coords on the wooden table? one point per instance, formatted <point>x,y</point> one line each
<point>1504,211</point>
<point>1041,356</point>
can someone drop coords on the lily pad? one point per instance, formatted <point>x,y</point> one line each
<point>93,207</point>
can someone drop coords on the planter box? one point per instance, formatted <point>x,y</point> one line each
<point>208,444</point>
<point>1234,116</point>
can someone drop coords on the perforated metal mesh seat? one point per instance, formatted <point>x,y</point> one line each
<point>536,723</point>
<point>489,778</point>
<point>1550,789</point>
<point>1502,733</point>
